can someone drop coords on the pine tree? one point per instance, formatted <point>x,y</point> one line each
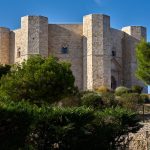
<point>143,61</point>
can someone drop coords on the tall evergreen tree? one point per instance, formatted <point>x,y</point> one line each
<point>143,61</point>
<point>39,80</point>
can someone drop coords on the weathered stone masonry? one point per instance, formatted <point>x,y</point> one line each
<point>99,54</point>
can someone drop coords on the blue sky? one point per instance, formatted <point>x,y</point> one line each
<point>122,12</point>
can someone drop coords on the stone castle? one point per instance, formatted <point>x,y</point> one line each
<point>99,54</point>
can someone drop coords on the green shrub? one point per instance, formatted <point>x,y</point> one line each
<point>4,69</point>
<point>82,93</point>
<point>143,61</point>
<point>121,90</point>
<point>39,80</point>
<point>137,89</point>
<point>109,100</point>
<point>92,99</point>
<point>25,126</point>
<point>15,122</point>
<point>71,101</point>
<point>145,98</point>
<point>102,89</point>
<point>130,101</point>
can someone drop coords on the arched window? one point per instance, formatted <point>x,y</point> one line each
<point>113,83</point>
<point>18,52</point>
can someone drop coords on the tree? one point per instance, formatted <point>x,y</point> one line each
<point>143,61</point>
<point>4,69</point>
<point>38,80</point>
<point>26,126</point>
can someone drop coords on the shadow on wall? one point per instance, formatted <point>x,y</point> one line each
<point>85,63</point>
<point>12,48</point>
<point>129,61</point>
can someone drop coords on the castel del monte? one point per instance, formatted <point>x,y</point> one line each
<point>74,75</point>
<point>99,55</point>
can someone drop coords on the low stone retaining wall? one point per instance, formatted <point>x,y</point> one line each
<point>141,139</point>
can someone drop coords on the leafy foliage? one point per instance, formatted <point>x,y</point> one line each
<point>121,90</point>
<point>44,81</point>
<point>4,69</point>
<point>26,126</point>
<point>143,61</point>
<point>136,89</point>
<point>92,99</point>
<point>38,80</point>
<point>109,100</point>
<point>102,89</point>
<point>145,98</point>
<point>130,101</point>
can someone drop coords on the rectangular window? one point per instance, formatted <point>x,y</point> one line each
<point>18,54</point>
<point>64,50</point>
<point>113,53</point>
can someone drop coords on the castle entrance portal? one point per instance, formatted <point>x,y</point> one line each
<point>116,75</point>
<point>113,83</point>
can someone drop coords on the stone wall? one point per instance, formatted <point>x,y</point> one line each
<point>20,39</point>
<point>87,53</point>
<point>12,48</point>
<point>37,35</point>
<point>116,61</point>
<point>141,139</point>
<point>70,37</point>
<point>89,48</point>
<point>132,36</point>
<point>31,39</point>
<point>126,60</point>
<point>20,45</point>
<point>4,45</point>
<point>97,61</point>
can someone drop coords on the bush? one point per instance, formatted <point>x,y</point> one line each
<point>39,80</point>
<point>25,126</point>
<point>145,98</point>
<point>82,93</point>
<point>121,90</point>
<point>137,89</point>
<point>109,100</point>
<point>102,89</point>
<point>4,69</point>
<point>130,101</point>
<point>92,99</point>
<point>71,101</point>
<point>15,122</point>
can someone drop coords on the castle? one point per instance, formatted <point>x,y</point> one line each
<point>99,54</point>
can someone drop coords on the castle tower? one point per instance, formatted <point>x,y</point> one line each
<point>138,32</point>
<point>96,51</point>
<point>4,45</point>
<point>133,35</point>
<point>35,29</point>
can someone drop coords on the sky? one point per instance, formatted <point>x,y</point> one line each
<point>123,12</point>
